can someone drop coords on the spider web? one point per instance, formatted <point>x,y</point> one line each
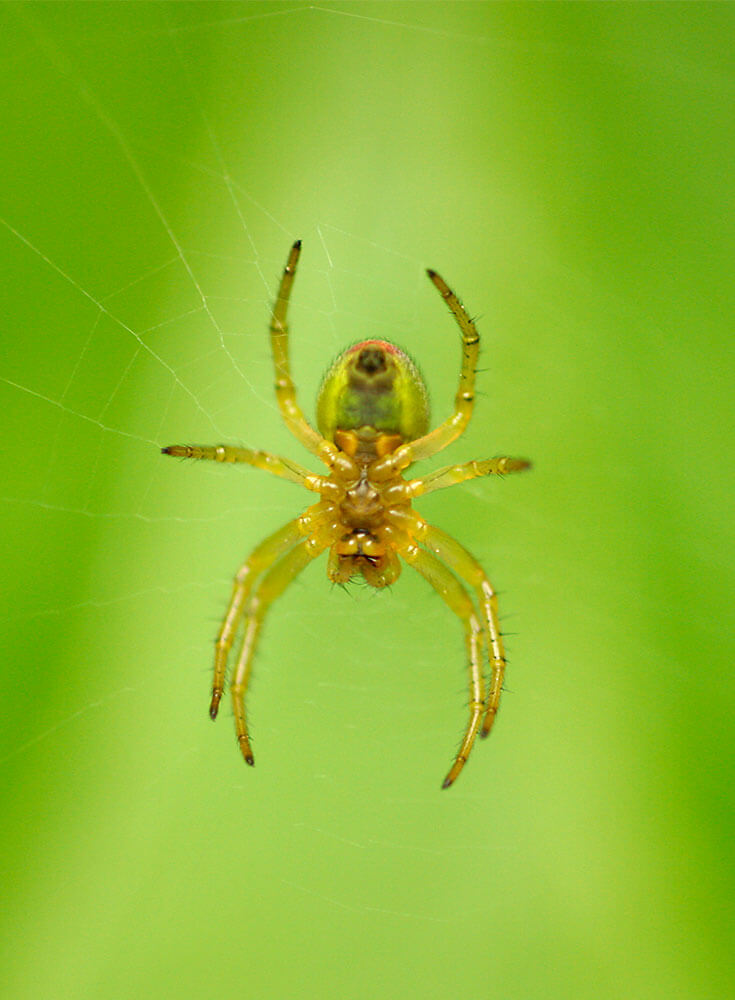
<point>145,282</point>
<point>145,221</point>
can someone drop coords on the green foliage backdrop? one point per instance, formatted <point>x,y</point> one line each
<point>568,169</point>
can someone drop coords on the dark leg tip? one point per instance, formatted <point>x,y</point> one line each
<point>249,759</point>
<point>446,783</point>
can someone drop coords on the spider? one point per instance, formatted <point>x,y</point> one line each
<point>373,417</point>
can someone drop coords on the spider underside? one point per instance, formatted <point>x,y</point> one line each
<point>373,424</point>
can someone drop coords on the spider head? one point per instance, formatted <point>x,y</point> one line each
<point>376,385</point>
<point>363,553</point>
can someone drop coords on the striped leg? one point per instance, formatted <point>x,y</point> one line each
<point>270,587</point>
<point>285,390</point>
<point>452,591</point>
<point>451,475</point>
<point>469,569</point>
<point>277,466</point>
<point>259,560</point>
<point>444,434</point>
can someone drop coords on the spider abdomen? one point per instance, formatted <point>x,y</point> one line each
<point>373,384</point>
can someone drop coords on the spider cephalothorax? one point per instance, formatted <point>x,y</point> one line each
<point>373,417</point>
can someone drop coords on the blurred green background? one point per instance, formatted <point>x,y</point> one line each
<point>568,169</point>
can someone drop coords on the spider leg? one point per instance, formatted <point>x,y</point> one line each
<point>259,560</point>
<point>269,588</point>
<point>285,391</point>
<point>450,475</point>
<point>460,561</point>
<point>452,591</point>
<point>453,426</point>
<point>275,464</point>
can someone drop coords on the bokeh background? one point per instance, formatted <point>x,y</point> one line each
<point>568,169</point>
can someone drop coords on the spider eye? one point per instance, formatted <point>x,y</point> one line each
<point>373,384</point>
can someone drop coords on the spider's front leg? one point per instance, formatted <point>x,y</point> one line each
<point>464,564</point>
<point>452,591</point>
<point>270,587</point>
<point>259,560</point>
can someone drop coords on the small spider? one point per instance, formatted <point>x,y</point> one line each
<point>373,416</point>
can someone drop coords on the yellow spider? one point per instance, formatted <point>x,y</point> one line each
<point>373,416</point>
